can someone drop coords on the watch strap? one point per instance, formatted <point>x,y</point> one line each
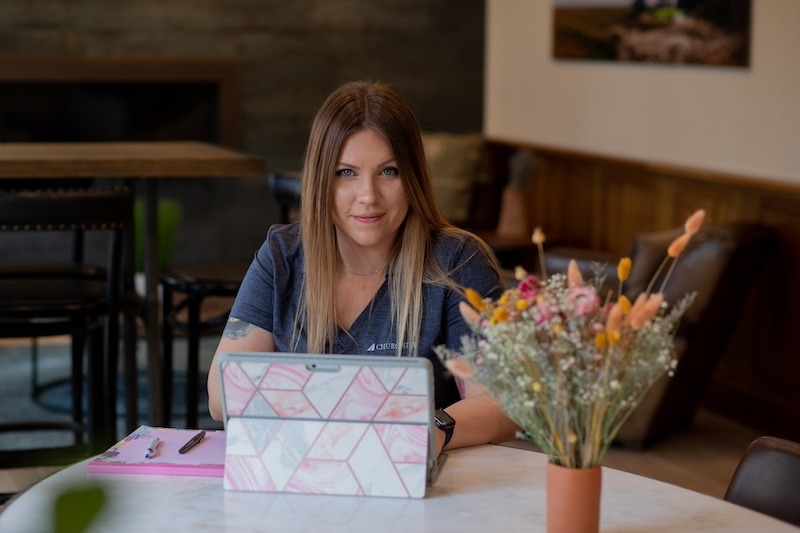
<point>446,423</point>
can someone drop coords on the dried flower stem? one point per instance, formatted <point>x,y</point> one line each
<point>538,238</point>
<point>655,276</point>
<point>669,273</point>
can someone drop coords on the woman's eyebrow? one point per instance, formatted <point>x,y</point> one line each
<point>391,160</point>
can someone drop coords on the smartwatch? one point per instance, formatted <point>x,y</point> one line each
<point>446,423</point>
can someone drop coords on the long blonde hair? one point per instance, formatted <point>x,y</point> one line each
<point>352,107</point>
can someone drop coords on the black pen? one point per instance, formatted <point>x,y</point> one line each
<point>194,441</point>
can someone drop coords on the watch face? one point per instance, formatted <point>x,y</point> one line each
<point>443,420</point>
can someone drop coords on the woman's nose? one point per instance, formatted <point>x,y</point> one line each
<point>368,192</point>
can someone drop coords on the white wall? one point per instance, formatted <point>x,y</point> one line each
<point>738,121</point>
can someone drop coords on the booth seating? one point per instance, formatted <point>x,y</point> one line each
<point>720,264</point>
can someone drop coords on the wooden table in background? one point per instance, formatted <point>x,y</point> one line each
<point>146,162</point>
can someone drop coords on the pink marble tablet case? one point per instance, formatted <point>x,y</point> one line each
<point>348,427</point>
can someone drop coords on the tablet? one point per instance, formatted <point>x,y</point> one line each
<point>328,424</point>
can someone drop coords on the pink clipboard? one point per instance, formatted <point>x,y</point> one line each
<point>128,456</point>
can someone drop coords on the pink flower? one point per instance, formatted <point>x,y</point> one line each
<point>640,314</point>
<point>459,367</point>
<point>544,312</point>
<point>529,287</point>
<point>469,314</point>
<point>584,300</point>
<point>574,277</point>
<point>678,245</point>
<point>694,222</point>
<point>614,319</point>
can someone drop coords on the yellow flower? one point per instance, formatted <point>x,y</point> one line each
<point>624,268</point>
<point>503,298</point>
<point>601,340</point>
<point>613,337</point>
<point>624,303</point>
<point>500,314</point>
<point>572,438</point>
<point>521,305</point>
<point>537,387</point>
<point>475,299</point>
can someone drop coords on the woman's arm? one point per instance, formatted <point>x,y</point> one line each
<point>238,336</point>
<point>478,420</point>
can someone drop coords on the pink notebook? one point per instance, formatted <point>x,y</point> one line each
<point>347,425</point>
<point>128,455</point>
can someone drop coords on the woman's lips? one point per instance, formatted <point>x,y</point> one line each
<point>368,219</point>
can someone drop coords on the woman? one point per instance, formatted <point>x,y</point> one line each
<point>372,267</point>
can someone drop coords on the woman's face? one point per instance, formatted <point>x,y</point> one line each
<point>369,201</point>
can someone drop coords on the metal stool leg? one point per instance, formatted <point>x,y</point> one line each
<point>99,435</point>
<point>167,334</point>
<point>76,383</point>
<point>193,362</point>
<point>130,369</point>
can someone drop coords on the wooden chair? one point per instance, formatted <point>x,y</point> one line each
<point>195,286</point>
<point>78,298</point>
<point>767,479</point>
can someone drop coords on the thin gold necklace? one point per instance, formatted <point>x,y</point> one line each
<point>363,275</point>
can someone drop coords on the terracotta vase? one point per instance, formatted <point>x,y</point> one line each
<point>573,499</point>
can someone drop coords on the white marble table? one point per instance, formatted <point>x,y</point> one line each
<point>487,488</point>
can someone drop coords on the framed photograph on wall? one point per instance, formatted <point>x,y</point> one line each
<point>695,32</point>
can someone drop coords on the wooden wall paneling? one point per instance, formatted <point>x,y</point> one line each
<point>537,197</point>
<point>721,204</point>
<point>567,189</point>
<point>665,197</point>
<point>599,214</point>
<point>628,207</point>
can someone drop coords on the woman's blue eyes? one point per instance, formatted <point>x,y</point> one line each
<point>348,172</point>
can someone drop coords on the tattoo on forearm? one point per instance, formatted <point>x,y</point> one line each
<point>236,329</point>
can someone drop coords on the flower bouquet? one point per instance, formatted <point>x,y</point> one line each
<point>563,364</point>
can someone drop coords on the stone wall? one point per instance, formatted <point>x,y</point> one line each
<point>292,54</point>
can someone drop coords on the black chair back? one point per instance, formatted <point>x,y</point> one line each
<point>767,479</point>
<point>66,298</point>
